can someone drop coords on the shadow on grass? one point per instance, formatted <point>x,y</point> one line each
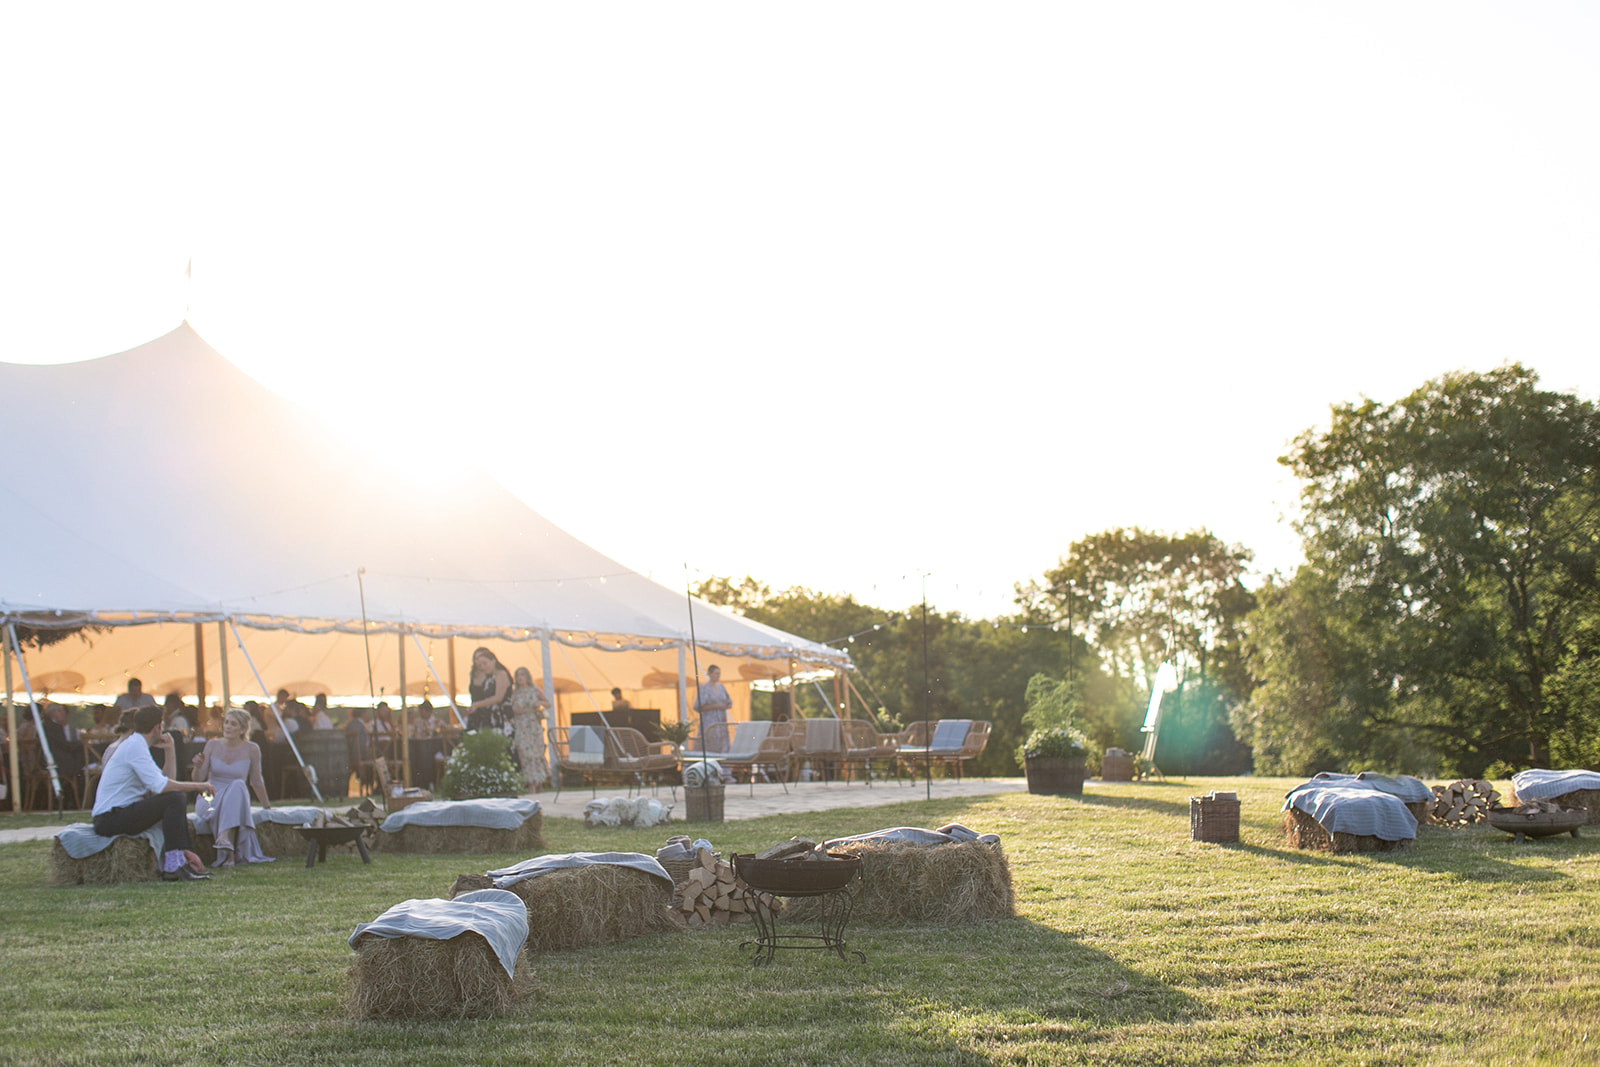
<point>1473,860</point>
<point>1163,807</point>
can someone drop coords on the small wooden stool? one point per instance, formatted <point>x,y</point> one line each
<point>320,837</point>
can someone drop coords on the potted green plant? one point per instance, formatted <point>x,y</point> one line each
<point>1055,760</point>
<point>677,733</point>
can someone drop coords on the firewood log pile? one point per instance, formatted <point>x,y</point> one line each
<point>712,894</point>
<point>1463,802</point>
<point>1534,807</point>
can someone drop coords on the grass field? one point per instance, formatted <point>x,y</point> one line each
<point>1132,945</point>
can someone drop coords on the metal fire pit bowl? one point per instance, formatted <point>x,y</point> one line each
<point>797,878</point>
<point>800,878</point>
<point>1538,823</point>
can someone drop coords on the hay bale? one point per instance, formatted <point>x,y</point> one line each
<point>457,840</point>
<point>419,978</point>
<point>583,906</point>
<point>948,885</point>
<point>1302,831</point>
<point>129,859</point>
<point>276,839</point>
<point>1587,799</point>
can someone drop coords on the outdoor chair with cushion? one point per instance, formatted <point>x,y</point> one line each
<point>943,746</point>
<point>818,741</point>
<point>579,750</point>
<point>633,758</point>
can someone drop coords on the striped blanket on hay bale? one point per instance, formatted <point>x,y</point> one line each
<point>79,856</point>
<point>1570,789</point>
<point>473,827</point>
<point>442,959</point>
<point>578,899</point>
<point>1350,813</point>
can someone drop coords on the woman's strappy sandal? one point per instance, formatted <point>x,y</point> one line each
<point>224,860</point>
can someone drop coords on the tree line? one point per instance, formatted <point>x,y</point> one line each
<point>1446,620</point>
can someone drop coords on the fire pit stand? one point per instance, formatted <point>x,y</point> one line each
<point>827,880</point>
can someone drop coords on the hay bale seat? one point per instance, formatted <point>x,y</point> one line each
<point>419,978</point>
<point>129,859</point>
<point>946,885</point>
<point>582,906</point>
<point>1586,799</point>
<point>411,837</point>
<point>457,840</point>
<point>1305,832</point>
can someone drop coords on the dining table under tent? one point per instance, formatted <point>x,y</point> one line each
<point>169,518</point>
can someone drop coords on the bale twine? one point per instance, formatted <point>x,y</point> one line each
<point>1587,799</point>
<point>583,906</point>
<point>457,840</point>
<point>129,859</point>
<point>1303,831</point>
<point>420,978</point>
<point>948,885</point>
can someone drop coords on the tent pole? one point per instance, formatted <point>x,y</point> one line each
<point>683,688</point>
<point>38,726</point>
<point>199,679</point>
<point>11,732</point>
<point>405,743</point>
<point>552,757</point>
<point>454,691</point>
<point>222,641</point>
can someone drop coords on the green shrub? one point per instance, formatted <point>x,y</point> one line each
<point>480,766</point>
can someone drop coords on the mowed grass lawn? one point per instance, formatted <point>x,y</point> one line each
<point>1132,945</point>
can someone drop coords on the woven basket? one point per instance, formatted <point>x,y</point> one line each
<point>678,870</point>
<point>1213,819</point>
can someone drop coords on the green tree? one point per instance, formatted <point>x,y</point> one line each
<point>1143,598</point>
<point>1452,539</point>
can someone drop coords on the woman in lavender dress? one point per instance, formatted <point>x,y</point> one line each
<point>231,764</point>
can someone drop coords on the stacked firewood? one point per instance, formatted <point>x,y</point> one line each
<point>712,894</point>
<point>365,814</point>
<point>1463,802</point>
<point>1533,806</point>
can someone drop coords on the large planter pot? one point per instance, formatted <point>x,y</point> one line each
<point>1055,776</point>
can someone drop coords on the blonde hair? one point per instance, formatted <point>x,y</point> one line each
<point>242,717</point>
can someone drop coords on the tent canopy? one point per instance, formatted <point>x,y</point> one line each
<point>162,487</point>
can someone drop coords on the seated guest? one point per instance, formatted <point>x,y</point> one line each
<point>357,738</point>
<point>135,697</point>
<point>425,725</point>
<point>135,794</point>
<point>175,720</point>
<point>319,713</point>
<point>231,765</point>
<point>66,746</point>
<point>619,702</point>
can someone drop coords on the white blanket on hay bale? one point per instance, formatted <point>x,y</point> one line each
<point>80,841</point>
<point>490,813</point>
<point>499,917</point>
<point>533,868</point>
<point>1545,785</point>
<point>1349,807</point>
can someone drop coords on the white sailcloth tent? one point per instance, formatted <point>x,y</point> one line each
<point>197,525</point>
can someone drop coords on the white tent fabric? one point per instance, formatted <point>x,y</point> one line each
<point>162,487</point>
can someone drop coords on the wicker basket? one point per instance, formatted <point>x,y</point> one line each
<point>679,869</point>
<point>1116,768</point>
<point>704,802</point>
<point>1213,818</point>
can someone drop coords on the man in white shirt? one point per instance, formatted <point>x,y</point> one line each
<point>135,697</point>
<point>134,794</point>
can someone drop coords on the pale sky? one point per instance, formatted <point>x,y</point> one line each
<point>830,294</point>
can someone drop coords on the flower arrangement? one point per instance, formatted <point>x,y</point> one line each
<point>481,766</point>
<point>1056,742</point>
